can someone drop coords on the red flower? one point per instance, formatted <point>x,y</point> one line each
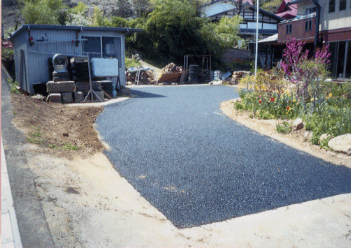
<point>287,107</point>
<point>289,101</point>
<point>260,101</point>
<point>273,89</point>
<point>272,99</point>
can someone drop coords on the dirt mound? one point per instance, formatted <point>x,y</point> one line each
<point>58,129</point>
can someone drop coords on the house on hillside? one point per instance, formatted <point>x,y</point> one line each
<point>268,22</point>
<point>35,45</point>
<point>321,22</point>
<point>287,10</point>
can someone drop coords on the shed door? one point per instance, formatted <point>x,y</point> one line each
<point>23,72</point>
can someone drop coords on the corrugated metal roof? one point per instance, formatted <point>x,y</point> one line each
<point>263,11</point>
<point>26,27</point>
<point>270,39</point>
<point>250,31</point>
<point>215,1</point>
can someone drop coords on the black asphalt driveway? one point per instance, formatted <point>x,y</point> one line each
<point>197,166</point>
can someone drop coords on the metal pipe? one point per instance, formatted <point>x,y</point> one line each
<point>258,15</point>
<point>318,15</point>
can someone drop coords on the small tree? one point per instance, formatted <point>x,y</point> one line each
<point>42,12</point>
<point>306,74</point>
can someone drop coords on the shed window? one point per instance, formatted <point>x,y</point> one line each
<point>92,45</point>
<point>331,6</point>
<point>111,48</point>
<point>342,5</point>
<point>288,28</point>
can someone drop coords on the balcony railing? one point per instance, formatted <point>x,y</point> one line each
<point>299,18</point>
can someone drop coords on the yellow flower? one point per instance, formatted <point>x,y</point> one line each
<point>312,99</point>
<point>326,97</point>
<point>330,95</point>
<point>294,100</point>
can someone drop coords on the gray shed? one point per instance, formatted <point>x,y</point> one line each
<point>35,44</point>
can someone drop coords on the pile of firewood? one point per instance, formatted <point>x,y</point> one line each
<point>237,75</point>
<point>171,68</point>
<point>146,77</point>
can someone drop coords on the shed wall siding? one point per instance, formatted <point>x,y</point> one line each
<point>21,43</point>
<point>55,41</point>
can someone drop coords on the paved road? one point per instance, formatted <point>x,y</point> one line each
<point>198,166</point>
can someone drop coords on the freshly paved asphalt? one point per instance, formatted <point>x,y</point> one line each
<point>197,166</point>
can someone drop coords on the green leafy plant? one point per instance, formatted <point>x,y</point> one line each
<point>132,63</point>
<point>42,11</point>
<point>284,127</point>
<point>53,146</point>
<point>35,136</point>
<point>69,146</point>
<point>14,87</point>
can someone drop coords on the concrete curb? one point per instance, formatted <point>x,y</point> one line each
<point>10,236</point>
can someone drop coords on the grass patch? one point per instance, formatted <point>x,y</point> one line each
<point>35,137</point>
<point>283,127</point>
<point>69,146</point>
<point>53,146</point>
<point>35,140</point>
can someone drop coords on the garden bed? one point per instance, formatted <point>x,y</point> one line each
<point>294,139</point>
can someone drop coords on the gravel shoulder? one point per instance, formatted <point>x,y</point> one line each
<point>293,139</point>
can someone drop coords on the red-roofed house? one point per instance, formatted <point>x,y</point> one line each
<point>287,10</point>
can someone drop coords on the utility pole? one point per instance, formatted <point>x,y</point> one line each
<point>258,16</point>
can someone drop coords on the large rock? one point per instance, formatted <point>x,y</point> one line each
<point>297,124</point>
<point>55,97</point>
<point>67,97</point>
<point>341,144</point>
<point>59,87</point>
<point>78,96</point>
<point>307,136</point>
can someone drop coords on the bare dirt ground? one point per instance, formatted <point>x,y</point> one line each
<point>293,139</point>
<point>67,130</point>
<point>88,204</point>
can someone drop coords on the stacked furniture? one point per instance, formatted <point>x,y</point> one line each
<point>61,89</point>
<point>69,82</point>
<point>80,73</point>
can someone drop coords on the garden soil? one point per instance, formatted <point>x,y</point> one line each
<point>293,139</point>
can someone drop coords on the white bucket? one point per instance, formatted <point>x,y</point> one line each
<point>216,75</point>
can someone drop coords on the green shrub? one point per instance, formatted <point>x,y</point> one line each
<point>13,86</point>
<point>284,127</point>
<point>7,54</point>
<point>238,105</point>
<point>333,117</point>
<point>132,63</point>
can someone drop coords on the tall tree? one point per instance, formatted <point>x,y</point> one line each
<point>124,9</point>
<point>141,7</point>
